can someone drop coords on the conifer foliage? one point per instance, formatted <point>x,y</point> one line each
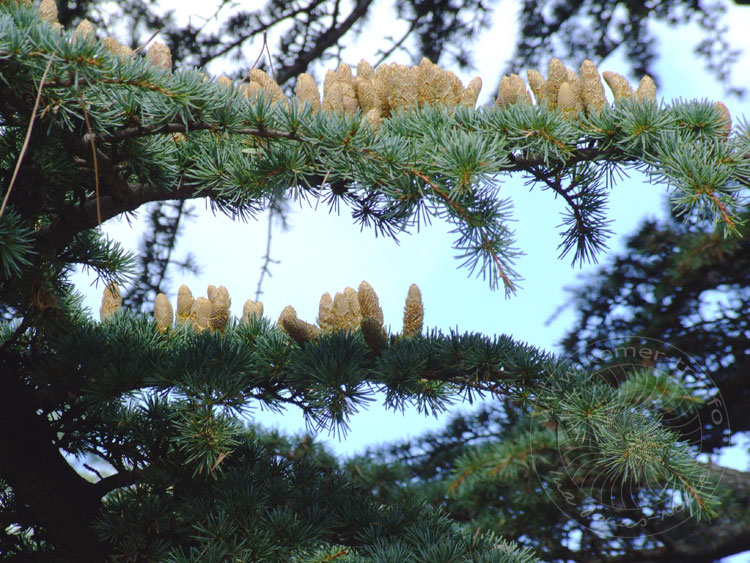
<point>91,131</point>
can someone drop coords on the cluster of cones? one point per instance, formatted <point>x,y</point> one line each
<point>377,93</point>
<point>570,92</point>
<point>354,310</point>
<point>158,54</point>
<point>203,313</point>
<point>349,310</point>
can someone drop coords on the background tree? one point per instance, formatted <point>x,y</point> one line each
<point>682,285</point>
<point>159,403</point>
<point>686,286</point>
<point>679,290</point>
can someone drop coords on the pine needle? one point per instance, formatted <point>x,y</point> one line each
<point>96,162</point>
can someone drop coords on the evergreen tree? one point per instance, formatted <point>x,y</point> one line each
<point>91,131</point>
<point>685,285</point>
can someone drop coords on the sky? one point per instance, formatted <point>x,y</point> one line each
<point>323,252</point>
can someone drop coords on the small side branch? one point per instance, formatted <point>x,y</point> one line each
<point>160,129</point>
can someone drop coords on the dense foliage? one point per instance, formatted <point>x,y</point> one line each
<point>304,35</point>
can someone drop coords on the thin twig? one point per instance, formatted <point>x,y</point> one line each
<point>268,54</point>
<point>263,48</point>
<point>214,16</point>
<point>138,50</point>
<point>397,44</point>
<point>96,162</point>
<point>93,470</point>
<point>320,191</point>
<point>267,260</point>
<point>28,136</point>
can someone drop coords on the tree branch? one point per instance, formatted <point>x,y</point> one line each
<point>114,481</point>
<point>62,501</point>
<point>147,130</point>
